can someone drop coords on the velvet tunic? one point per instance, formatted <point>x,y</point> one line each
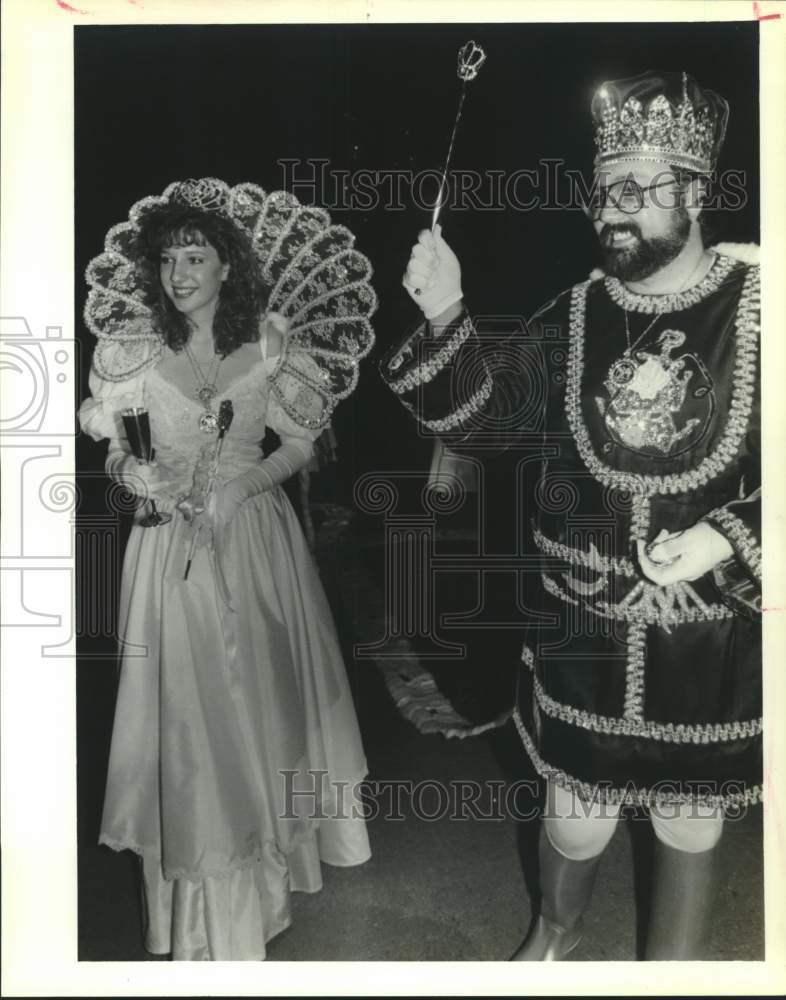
<point>628,691</point>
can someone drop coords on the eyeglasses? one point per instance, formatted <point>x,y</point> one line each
<point>627,195</point>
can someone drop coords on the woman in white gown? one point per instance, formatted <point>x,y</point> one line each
<point>234,723</point>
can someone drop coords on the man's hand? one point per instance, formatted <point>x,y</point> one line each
<point>433,275</point>
<point>683,555</point>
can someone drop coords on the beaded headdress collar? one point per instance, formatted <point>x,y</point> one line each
<point>319,283</point>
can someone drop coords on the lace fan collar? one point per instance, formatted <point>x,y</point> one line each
<point>674,301</point>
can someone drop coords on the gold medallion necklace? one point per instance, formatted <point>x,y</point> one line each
<point>206,390</point>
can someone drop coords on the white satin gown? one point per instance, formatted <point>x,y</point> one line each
<point>233,726</point>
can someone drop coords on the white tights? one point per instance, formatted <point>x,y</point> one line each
<point>580,830</point>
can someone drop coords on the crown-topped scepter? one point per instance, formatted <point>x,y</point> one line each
<point>226,414</point>
<point>470,58</point>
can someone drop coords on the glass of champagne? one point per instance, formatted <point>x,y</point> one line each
<point>137,424</point>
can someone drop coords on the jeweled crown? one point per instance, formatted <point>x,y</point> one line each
<point>659,116</point>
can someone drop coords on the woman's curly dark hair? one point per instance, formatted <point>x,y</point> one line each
<point>243,295</point>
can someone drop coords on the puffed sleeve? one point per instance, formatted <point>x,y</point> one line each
<point>117,379</point>
<point>100,412</point>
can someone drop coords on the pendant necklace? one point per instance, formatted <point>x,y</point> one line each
<point>624,368</point>
<point>206,390</point>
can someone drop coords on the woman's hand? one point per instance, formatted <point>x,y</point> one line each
<point>433,275</point>
<point>200,515</point>
<point>146,480</point>
<point>674,557</point>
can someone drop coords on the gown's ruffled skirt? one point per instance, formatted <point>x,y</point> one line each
<point>232,732</point>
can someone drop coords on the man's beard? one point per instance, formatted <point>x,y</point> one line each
<point>644,257</point>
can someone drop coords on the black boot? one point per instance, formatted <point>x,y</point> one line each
<point>566,888</point>
<point>682,896</point>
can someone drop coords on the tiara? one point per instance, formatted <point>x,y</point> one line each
<point>208,194</point>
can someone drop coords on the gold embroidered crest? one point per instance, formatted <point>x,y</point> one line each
<point>647,393</point>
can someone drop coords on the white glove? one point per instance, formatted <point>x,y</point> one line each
<point>143,479</point>
<point>279,466</point>
<point>674,557</point>
<point>433,275</point>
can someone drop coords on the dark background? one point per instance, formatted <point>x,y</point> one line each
<point>157,104</point>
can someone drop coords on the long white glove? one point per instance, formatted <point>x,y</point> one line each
<point>279,466</point>
<point>433,275</point>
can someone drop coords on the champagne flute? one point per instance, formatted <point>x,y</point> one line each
<point>137,424</point>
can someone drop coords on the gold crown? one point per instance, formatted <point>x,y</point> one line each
<point>659,116</point>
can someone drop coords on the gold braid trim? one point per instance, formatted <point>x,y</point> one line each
<point>676,301</point>
<point>473,404</point>
<point>666,732</point>
<point>591,560</point>
<point>741,537</point>
<point>628,795</point>
<point>743,388</point>
<point>429,370</point>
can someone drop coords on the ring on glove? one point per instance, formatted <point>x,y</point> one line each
<point>416,291</point>
<point>658,562</point>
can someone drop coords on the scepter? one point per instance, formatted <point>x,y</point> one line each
<point>470,58</point>
<point>226,414</point>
